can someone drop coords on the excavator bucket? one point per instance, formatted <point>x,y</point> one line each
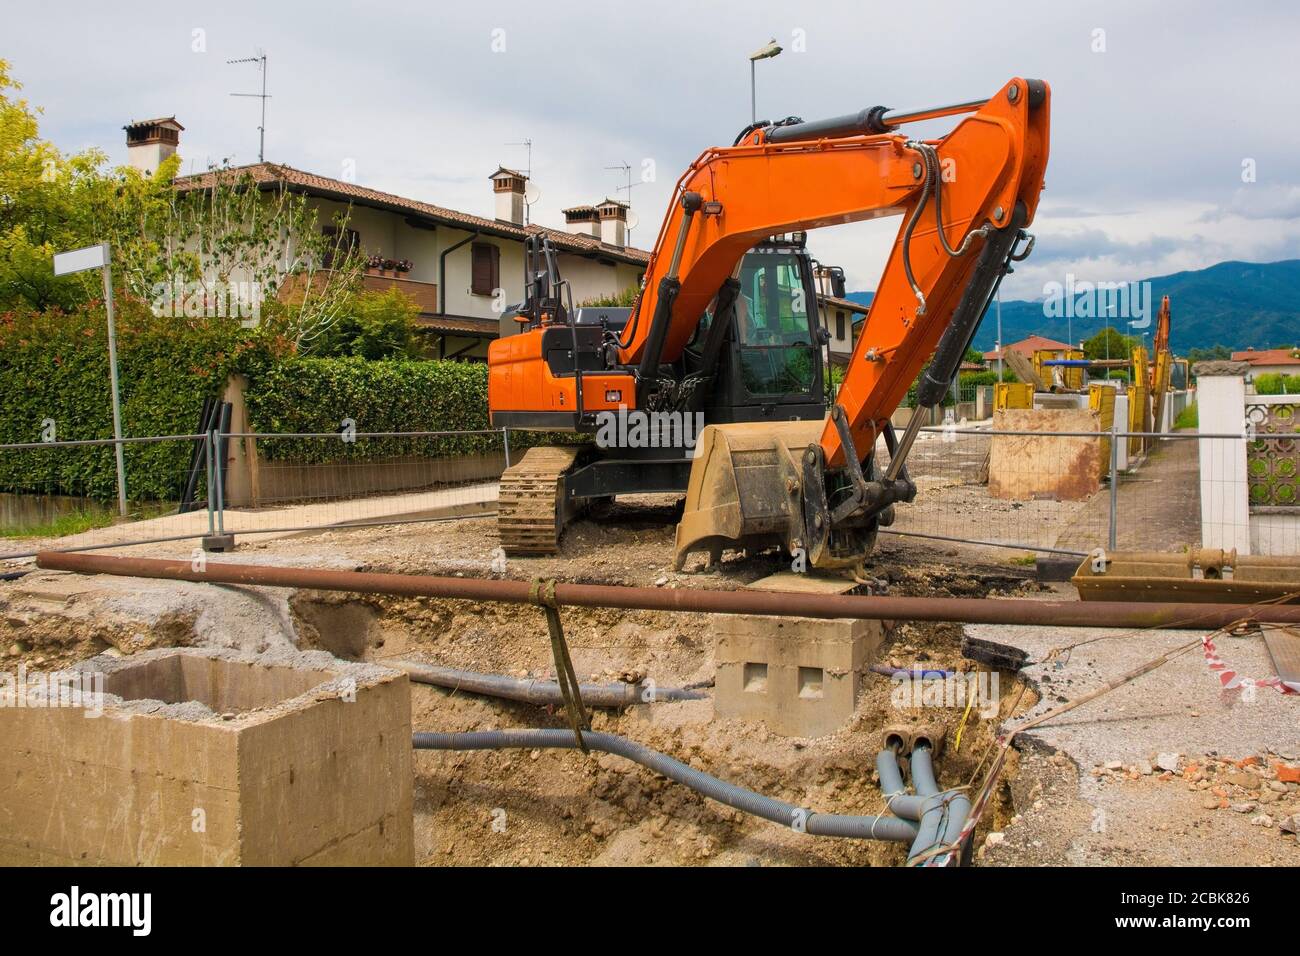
<point>744,490</point>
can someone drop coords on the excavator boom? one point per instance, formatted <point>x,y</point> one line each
<point>987,172</point>
<point>964,199</point>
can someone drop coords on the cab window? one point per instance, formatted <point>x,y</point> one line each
<point>777,351</point>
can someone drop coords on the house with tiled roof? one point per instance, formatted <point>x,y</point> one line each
<point>1028,346</point>
<point>1270,361</point>
<point>461,269</point>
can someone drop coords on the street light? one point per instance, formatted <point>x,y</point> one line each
<point>100,257</point>
<point>769,50</point>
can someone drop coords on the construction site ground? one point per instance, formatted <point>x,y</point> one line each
<point>1085,788</point>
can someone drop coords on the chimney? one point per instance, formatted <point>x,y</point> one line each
<point>149,142</point>
<point>508,184</point>
<point>583,221</point>
<point>613,223</point>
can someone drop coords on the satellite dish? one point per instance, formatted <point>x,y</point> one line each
<point>532,193</point>
<point>633,220</point>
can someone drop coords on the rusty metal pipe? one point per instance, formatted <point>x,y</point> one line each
<point>698,600</point>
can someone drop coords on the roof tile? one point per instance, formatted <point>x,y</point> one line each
<point>270,174</point>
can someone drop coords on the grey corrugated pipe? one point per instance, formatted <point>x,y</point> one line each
<point>785,814</point>
<point>541,691</point>
<point>942,815</point>
<point>897,799</point>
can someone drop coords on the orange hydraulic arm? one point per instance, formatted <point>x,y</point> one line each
<point>983,177</point>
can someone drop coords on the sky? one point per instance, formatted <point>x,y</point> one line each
<point>1175,126</point>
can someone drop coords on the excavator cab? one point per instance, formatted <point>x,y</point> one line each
<point>772,362</point>
<point>771,367</point>
<point>755,356</point>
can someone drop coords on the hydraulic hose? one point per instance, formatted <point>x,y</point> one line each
<point>541,691</point>
<point>738,798</point>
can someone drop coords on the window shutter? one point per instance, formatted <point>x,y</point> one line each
<point>839,325</point>
<point>485,274</point>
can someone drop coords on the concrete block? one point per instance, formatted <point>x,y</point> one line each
<point>209,757</point>
<point>218,543</point>
<point>1025,466</point>
<point>799,675</point>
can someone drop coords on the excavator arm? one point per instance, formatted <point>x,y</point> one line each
<point>986,173</point>
<point>964,199</point>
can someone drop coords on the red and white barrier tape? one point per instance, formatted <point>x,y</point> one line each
<point>1231,680</point>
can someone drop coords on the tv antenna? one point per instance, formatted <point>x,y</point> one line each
<point>531,192</point>
<point>528,144</point>
<point>632,218</point>
<point>260,60</point>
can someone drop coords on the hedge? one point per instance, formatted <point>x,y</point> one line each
<point>310,395</point>
<point>1276,383</point>
<point>54,366</point>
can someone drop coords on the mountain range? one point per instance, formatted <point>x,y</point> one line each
<point>1237,304</point>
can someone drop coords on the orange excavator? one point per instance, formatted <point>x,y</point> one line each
<point>1162,365</point>
<point>725,333</point>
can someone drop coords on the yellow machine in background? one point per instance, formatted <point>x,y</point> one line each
<point>1101,399</point>
<point>1012,395</point>
<point>1059,377</point>
<point>1139,403</point>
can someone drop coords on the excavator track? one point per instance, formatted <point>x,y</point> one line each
<point>531,509</point>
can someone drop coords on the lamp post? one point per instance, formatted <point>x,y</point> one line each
<point>769,50</point>
<point>100,257</point>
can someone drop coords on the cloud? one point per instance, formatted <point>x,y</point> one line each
<point>1259,201</point>
<point>1147,146</point>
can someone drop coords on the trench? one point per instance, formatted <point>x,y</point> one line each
<point>542,806</point>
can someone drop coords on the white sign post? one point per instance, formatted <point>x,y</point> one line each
<point>81,260</point>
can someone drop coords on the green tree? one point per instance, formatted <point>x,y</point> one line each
<point>1109,343</point>
<point>373,325</point>
<point>223,229</point>
<point>1211,354</point>
<point>50,202</point>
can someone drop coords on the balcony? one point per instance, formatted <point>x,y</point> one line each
<point>423,294</point>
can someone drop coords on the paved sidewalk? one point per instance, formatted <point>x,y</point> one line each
<point>1159,505</point>
<point>263,524</point>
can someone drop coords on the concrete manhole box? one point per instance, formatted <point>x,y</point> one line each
<point>184,756</point>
